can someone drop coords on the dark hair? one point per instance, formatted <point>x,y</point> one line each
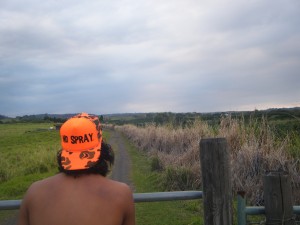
<point>102,166</point>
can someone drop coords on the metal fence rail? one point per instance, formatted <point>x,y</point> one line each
<point>10,204</point>
<point>138,197</point>
<point>243,211</point>
<point>167,196</point>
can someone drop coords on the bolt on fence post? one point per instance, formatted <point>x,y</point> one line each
<point>241,206</point>
<point>216,180</point>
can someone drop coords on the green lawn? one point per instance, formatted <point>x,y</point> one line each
<point>28,153</point>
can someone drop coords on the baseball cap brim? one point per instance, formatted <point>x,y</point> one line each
<point>76,160</point>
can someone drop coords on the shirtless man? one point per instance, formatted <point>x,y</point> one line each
<point>80,194</point>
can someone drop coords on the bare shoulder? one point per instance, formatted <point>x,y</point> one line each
<point>121,186</point>
<point>36,190</point>
<point>42,185</point>
<point>127,203</point>
<point>44,182</point>
<point>125,196</point>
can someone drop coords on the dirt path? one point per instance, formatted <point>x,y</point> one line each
<point>9,217</point>
<point>122,165</point>
<point>121,172</point>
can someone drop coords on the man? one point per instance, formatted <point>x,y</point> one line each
<point>80,194</point>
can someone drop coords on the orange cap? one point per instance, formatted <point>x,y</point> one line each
<point>81,138</point>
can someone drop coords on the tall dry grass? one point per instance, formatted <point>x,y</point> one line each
<point>253,146</point>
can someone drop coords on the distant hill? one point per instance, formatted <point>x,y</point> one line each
<point>59,116</point>
<point>3,117</point>
<point>159,118</point>
<point>211,117</point>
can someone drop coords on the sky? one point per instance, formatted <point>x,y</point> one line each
<point>129,56</point>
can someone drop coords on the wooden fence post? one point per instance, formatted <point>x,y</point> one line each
<point>216,179</point>
<point>241,206</point>
<point>278,198</point>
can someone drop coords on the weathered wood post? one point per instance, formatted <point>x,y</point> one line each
<point>241,206</point>
<point>278,198</point>
<point>216,179</point>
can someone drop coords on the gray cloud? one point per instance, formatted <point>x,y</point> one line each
<point>141,56</point>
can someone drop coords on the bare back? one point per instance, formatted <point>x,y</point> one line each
<point>87,199</point>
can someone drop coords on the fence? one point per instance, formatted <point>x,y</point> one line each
<point>217,192</point>
<point>138,197</point>
<point>243,211</point>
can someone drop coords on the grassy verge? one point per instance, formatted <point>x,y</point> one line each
<point>28,153</point>
<point>159,213</point>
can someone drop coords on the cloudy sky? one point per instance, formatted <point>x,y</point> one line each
<point>66,56</point>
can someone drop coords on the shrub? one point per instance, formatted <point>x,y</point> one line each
<point>178,179</point>
<point>156,164</point>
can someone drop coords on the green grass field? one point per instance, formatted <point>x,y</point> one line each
<point>28,153</point>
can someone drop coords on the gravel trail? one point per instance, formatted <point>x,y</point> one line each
<point>122,165</point>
